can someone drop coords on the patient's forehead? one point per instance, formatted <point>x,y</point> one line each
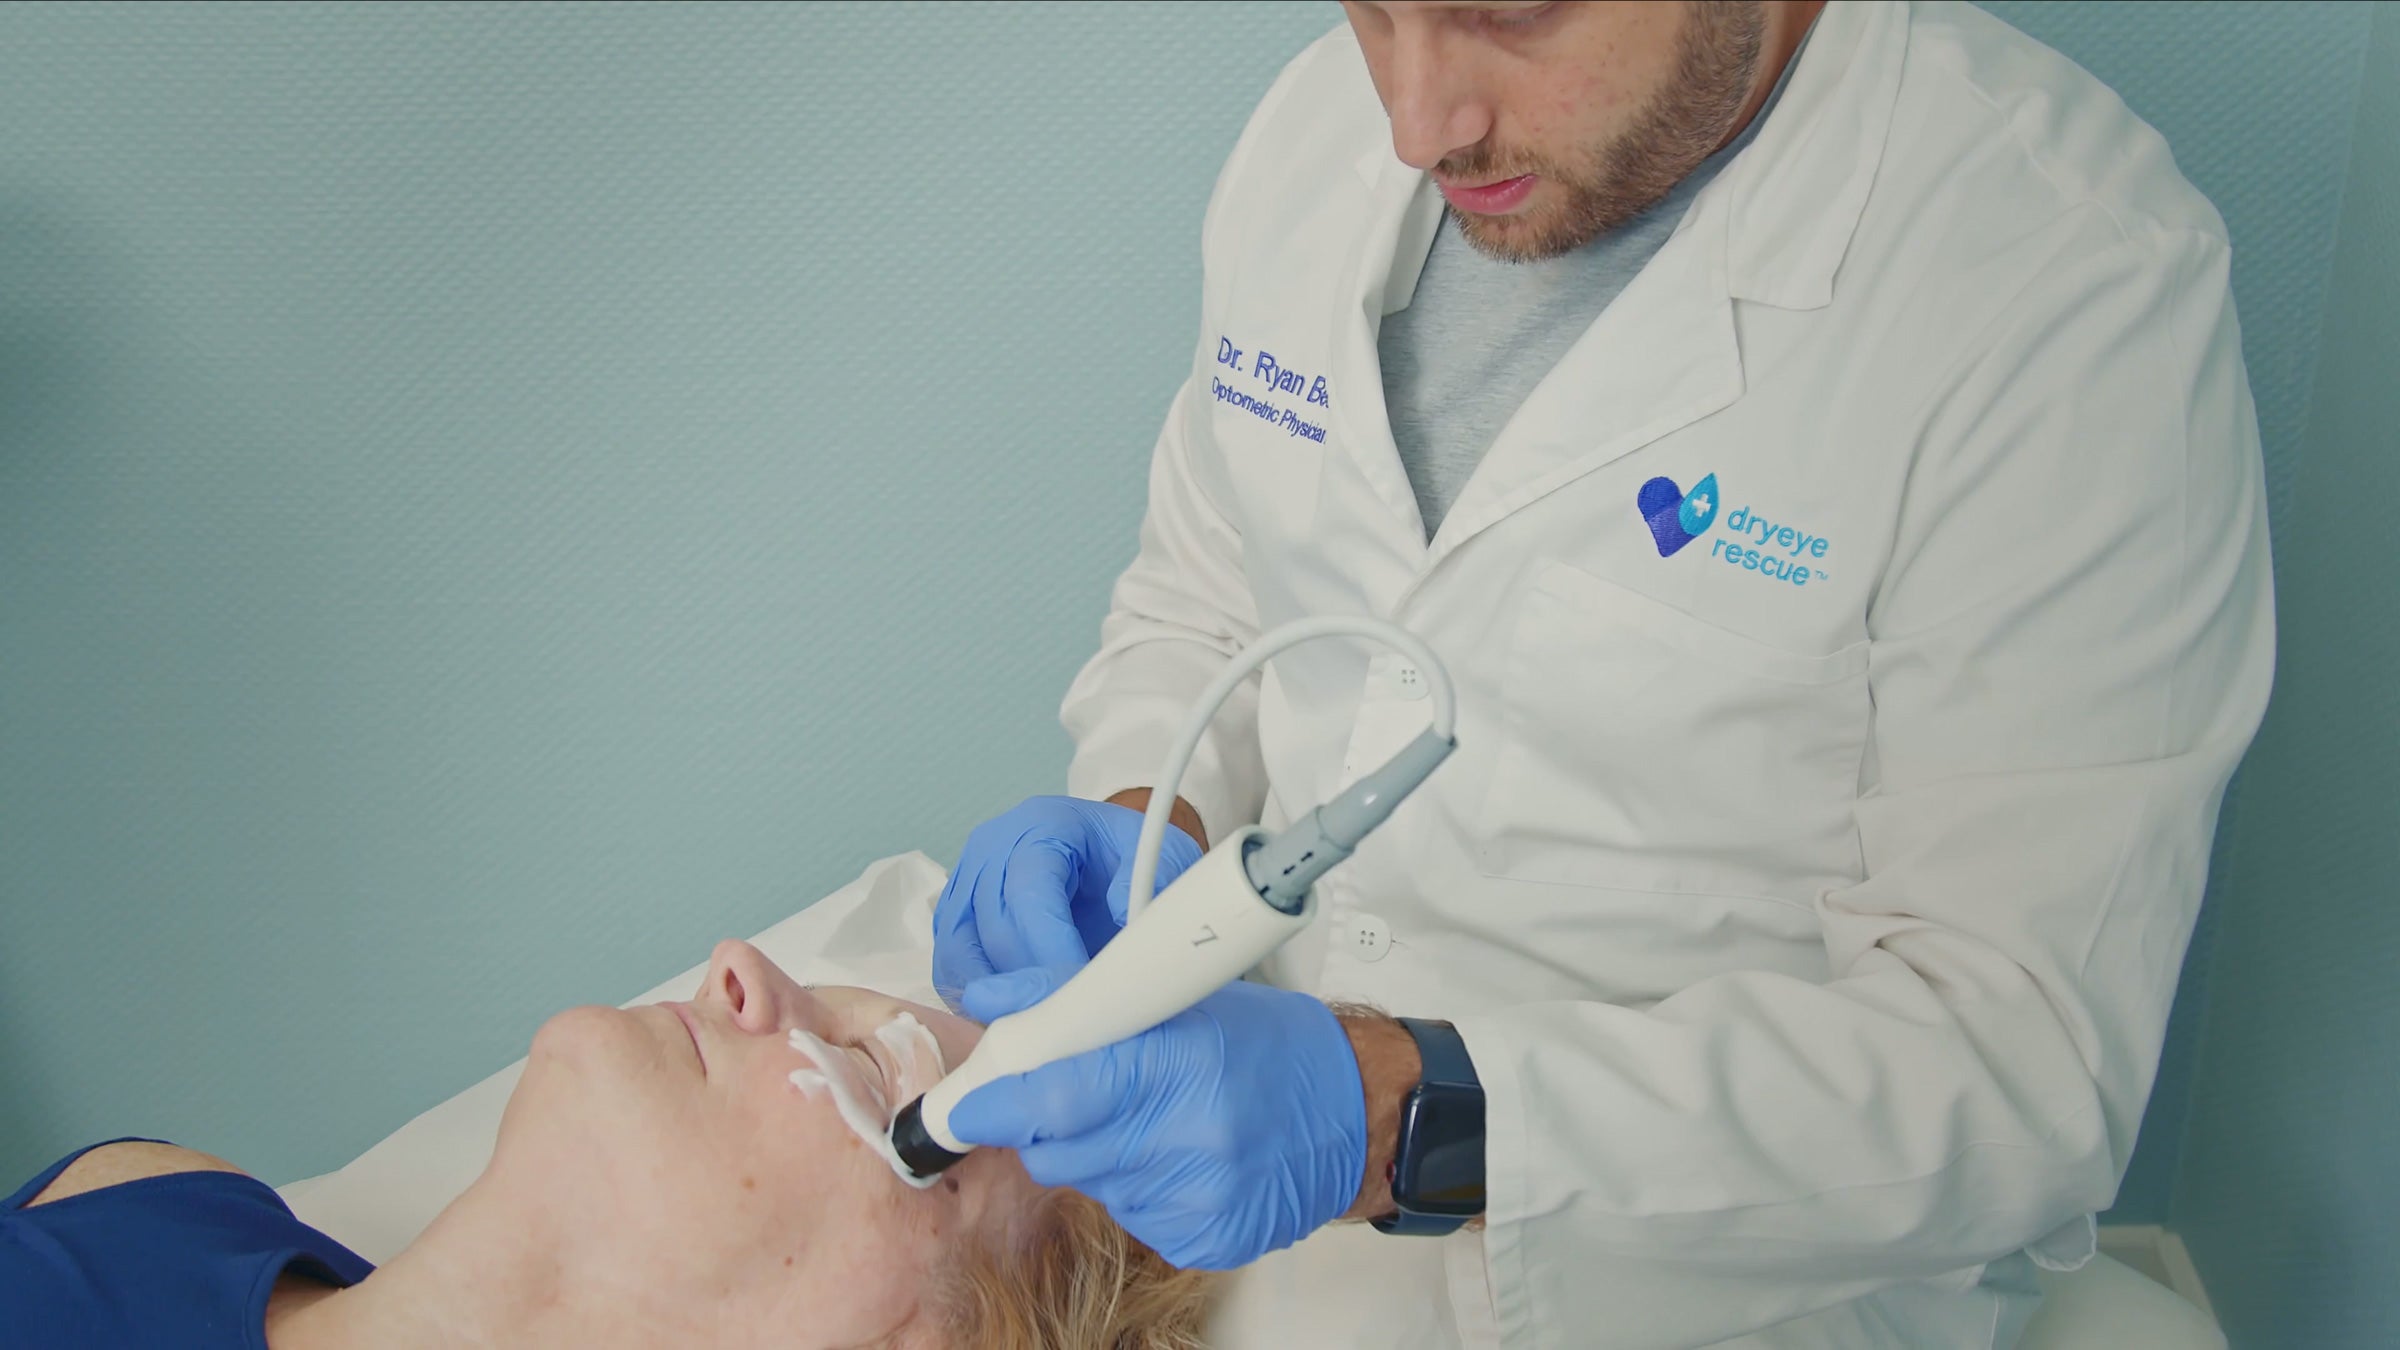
<point>874,1002</point>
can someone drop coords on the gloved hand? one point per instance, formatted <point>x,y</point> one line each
<point>1232,1129</point>
<point>1042,884</point>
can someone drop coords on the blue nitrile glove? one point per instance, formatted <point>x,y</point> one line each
<point>1042,884</point>
<point>1233,1129</point>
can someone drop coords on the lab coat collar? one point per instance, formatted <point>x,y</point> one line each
<point>1404,210</point>
<point>1773,229</point>
<point>1795,196</point>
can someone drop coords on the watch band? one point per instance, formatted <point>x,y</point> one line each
<point>1441,1052</point>
<point>1401,1223</point>
<point>1444,1065</point>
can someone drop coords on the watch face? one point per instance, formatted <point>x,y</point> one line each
<point>1440,1168</point>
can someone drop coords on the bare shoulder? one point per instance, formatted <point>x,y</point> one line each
<point>112,1164</point>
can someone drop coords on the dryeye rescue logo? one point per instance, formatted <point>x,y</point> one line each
<point>1773,549</point>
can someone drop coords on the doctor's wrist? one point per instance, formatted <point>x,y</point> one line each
<point>1183,817</point>
<point>1388,1068</point>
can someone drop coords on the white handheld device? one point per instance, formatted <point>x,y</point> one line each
<point>1249,895</point>
<point>1201,934</point>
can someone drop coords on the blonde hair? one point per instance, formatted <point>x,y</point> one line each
<point>1076,1282</point>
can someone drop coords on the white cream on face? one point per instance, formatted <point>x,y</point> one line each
<point>915,1055</point>
<point>916,1059</point>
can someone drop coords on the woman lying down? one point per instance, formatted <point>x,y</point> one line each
<point>677,1174</point>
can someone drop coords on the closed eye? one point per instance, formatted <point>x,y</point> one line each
<point>1520,20</point>
<point>877,1069</point>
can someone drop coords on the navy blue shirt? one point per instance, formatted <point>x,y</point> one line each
<point>184,1260</point>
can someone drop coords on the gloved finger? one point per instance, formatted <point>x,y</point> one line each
<point>1095,926</point>
<point>1056,1101</point>
<point>1091,1163</point>
<point>990,904</point>
<point>1037,884</point>
<point>1187,1240</point>
<point>1120,893</point>
<point>993,997</point>
<point>1177,852</point>
<point>957,967</point>
<point>959,958</point>
<point>956,888</point>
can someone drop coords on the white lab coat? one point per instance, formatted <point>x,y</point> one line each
<point>1813,932</point>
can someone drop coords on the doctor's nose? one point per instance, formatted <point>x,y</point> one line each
<point>743,984</point>
<point>1435,111</point>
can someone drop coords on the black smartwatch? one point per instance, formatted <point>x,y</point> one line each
<point>1437,1170</point>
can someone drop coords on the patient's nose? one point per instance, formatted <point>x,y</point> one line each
<point>743,983</point>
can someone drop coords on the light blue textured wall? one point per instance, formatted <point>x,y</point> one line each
<point>2256,100</point>
<point>2289,1193</point>
<point>496,498</point>
<point>493,498</point>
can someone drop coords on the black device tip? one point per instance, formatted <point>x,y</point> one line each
<point>916,1145</point>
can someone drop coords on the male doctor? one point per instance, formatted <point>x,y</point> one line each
<point>1816,440</point>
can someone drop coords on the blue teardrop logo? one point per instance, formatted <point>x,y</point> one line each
<point>1674,517</point>
<point>1699,509</point>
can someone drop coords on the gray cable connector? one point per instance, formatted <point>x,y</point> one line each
<point>1283,868</point>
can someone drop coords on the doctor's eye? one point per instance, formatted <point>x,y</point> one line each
<point>1516,19</point>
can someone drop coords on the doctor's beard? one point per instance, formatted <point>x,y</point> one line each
<point>1605,185</point>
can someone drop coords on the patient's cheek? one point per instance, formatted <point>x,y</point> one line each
<point>877,1274</point>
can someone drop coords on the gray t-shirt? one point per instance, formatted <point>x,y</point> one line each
<point>1479,334</point>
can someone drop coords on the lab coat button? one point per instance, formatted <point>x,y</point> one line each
<point>1409,681</point>
<point>1370,937</point>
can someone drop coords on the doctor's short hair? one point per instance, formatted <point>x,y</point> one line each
<point>1074,1280</point>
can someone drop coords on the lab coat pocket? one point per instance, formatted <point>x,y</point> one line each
<point>1646,749</point>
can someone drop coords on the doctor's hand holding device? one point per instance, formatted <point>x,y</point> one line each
<point>1218,1120</point>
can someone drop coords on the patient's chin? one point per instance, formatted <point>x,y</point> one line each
<point>580,1032</point>
<point>580,1060</point>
